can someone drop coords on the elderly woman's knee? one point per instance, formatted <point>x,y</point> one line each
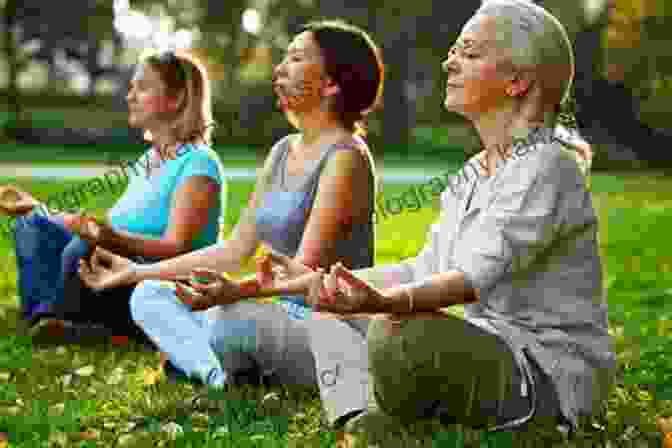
<point>393,325</point>
<point>382,339</point>
<point>383,327</point>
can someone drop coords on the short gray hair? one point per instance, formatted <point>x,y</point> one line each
<point>535,38</point>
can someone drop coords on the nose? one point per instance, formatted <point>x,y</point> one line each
<point>450,64</point>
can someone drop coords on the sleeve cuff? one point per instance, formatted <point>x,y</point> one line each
<point>482,272</point>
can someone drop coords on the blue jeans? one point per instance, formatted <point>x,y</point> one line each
<point>47,254</point>
<point>48,281</point>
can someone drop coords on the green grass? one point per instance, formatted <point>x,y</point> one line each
<point>79,117</point>
<point>41,399</point>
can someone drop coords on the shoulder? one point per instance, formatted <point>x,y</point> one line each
<point>199,155</point>
<point>198,159</point>
<point>575,146</point>
<point>277,150</point>
<point>353,150</point>
<point>457,182</point>
<point>197,152</point>
<point>350,158</point>
<point>546,163</point>
<point>266,171</point>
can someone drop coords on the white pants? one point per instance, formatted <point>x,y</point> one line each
<point>214,345</point>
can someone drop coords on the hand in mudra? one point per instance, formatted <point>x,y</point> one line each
<point>89,228</point>
<point>106,270</point>
<point>16,202</point>
<point>340,292</point>
<point>207,288</point>
<point>274,268</point>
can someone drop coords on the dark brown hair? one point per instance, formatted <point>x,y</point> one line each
<point>354,62</point>
<point>184,73</point>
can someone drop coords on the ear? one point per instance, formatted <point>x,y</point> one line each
<point>172,104</point>
<point>331,89</point>
<point>521,82</point>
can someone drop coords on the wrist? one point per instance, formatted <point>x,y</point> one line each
<point>249,288</point>
<point>139,272</point>
<point>108,237</point>
<point>409,294</point>
<point>399,300</point>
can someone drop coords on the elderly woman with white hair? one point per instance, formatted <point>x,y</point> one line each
<point>516,245</point>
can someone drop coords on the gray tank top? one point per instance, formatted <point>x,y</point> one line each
<point>286,204</point>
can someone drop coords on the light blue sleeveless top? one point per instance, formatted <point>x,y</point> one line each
<point>145,206</point>
<point>284,209</point>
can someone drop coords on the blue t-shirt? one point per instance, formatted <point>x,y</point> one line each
<point>145,206</point>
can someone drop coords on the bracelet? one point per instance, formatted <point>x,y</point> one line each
<point>410,298</point>
<point>139,270</point>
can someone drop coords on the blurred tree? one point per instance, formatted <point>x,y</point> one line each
<point>619,58</point>
<point>412,57</point>
<point>76,36</point>
<point>223,46</point>
<point>397,32</point>
<point>656,91</point>
<point>14,61</point>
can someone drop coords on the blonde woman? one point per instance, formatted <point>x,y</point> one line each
<point>173,204</point>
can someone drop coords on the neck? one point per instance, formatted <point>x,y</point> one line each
<point>498,129</point>
<point>316,125</point>
<point>164,141</point>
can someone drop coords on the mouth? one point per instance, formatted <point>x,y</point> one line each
<point>278,89</point>
<point>281,94</point>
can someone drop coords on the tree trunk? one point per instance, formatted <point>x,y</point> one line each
<point>395,114</point>
<point>11,56</point>
<point>397,32</point>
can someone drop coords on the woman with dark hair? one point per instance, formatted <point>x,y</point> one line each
<point>173,204</point>
<point>314,201</point>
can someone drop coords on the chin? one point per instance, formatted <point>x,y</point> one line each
<point>134,123</point>
<point>451,106</point>
<point>291,118</point>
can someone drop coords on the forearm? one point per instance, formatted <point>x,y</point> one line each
<point>381,277</point>
<point>224,257</point>
<point>386,276</point>
<point>431,294</point>
<point>250,287</point>
<point>130,244</point>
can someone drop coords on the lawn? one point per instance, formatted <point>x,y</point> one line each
<point>84,396</point>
